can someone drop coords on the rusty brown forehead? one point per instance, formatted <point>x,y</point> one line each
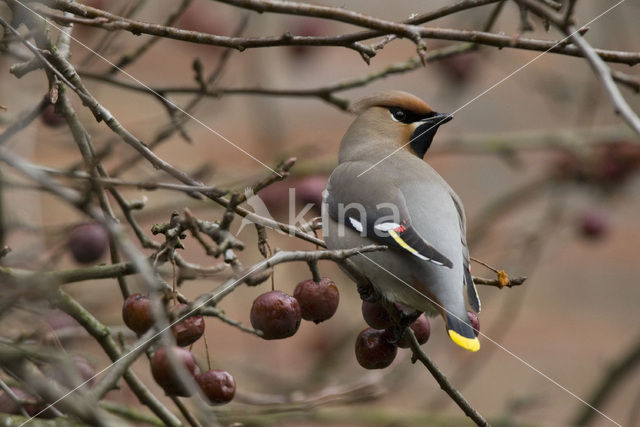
<point>400,99</point>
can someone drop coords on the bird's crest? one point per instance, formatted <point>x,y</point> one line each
<point>393,98</point>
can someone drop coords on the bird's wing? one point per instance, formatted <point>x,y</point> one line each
<point>377,210</point>
<point>472,292</point>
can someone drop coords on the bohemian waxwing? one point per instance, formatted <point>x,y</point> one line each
<point>383,192</point>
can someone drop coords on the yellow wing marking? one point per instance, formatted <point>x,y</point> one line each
<point>401,242</point>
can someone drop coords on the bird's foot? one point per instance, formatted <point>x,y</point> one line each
<point>408,316</point>
<point>402,317</point>
<point>368,293</point>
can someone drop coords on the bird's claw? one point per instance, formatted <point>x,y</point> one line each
<point>368,293</point>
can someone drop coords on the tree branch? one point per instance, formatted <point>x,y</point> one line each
<point>445,385</point>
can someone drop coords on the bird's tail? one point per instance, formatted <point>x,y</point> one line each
<point>461,332</point>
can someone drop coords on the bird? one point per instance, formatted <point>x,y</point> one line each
<point>383,192</point>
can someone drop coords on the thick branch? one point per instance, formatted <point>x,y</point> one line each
<point>227,287</point>
<point>115,22</point>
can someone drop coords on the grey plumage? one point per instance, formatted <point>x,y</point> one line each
<point>427,265</point>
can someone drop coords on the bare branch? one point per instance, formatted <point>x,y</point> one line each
<point>445,385</point>
<point>618,372</point>
<point>591,55</point>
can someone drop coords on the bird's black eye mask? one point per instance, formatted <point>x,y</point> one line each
<point>405,116</point>
<point>422,136</point>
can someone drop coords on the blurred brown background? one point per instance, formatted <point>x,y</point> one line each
<point>576,314</point>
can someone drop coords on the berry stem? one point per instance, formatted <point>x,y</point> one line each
<point>495,270</point>
<point>206,349</point>
<point>174,283</point>
<point>313,266</point>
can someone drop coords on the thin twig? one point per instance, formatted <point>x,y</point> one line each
<point>602,71</point>
<point>618,371</point>
<point>445,385</point>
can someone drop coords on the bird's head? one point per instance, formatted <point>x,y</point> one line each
<point>397,118</point>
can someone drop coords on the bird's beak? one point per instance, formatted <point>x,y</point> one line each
<point>424,132</point>
<point>438,119</point>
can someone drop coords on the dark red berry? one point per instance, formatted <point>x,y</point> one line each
<point>189,330</point>
<point>594,224</point>
<point>218,386</point>
<point>32,406</point>
<point>475,322</point>
<point>458,69</point>
<point>318,301</point>
<point>422,330</point>
<point>88,242</point>
<point>137,313</point>
<point>309,190</point>
<point>85,369</point>
<point>305,27</point>
<point>167,377</point>
<point>201,18</point>
<point>276,314</point>
<point>50,118</point>
<point>567,165</point>
<point>373,350</point>
<point>375,315</point>
<point>60,372</point>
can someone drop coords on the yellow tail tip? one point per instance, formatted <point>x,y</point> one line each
<point>471,344</point>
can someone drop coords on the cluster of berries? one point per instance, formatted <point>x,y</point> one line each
<point>278,315</point>
<point>216,385</point>
<point>377,345</point>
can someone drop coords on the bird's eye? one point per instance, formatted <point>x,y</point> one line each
<point>398,114</point>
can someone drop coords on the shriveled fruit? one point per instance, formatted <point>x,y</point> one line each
<point>32,407</point>
<point>167,377</point>
<point>594,224</point>
<point>422,330</point>
<point>459,69</point>
<point>309,190</point>
<point>373,350</point>
<point>276,314</point>
<point>188,330</point>
<point>88,242</point>
<point>217,385</point>
<point>137,313</point>
<point>318,301</point>
<point>64,375</point>
<point>305,27</point>
<point>375,315</point>
<point>50,118</point>
<point>85,369</point>
<point>475,322</point>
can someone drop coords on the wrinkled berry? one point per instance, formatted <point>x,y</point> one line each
<point>422,330</point>
<point>318,301</point>
<point>50,118</point>
<point>276,314</point>
<point>218,386</point>
<point>32,405</point>
<point>373,350</point>
<point>137,313</point>
<point>166,376</point>
<point>375,315</point>
<point>188,330</point>
<point>60,373</point>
